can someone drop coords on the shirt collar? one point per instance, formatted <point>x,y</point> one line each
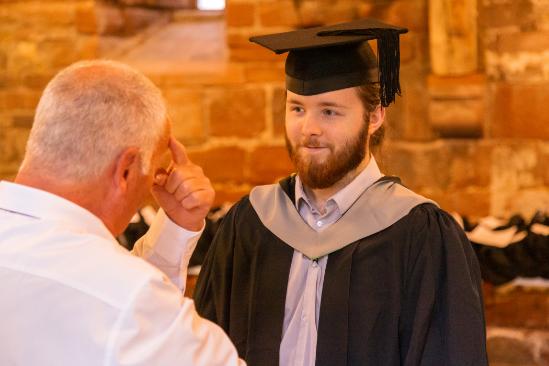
<point>345,197</point>
<point>42,205</point>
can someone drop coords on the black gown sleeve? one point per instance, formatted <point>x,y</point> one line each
<point>212,294</point>
<point>442,317</point>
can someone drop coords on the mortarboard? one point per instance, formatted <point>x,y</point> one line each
<point>328,58</point>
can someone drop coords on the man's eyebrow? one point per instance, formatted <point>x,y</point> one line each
<point>321,104</point>
<point>293,101</point>
<point>332,104</point>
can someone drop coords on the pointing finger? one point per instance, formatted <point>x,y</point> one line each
<point>179,155</point>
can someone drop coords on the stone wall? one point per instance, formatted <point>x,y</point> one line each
<point>36,39</point>
<point>475,139</point>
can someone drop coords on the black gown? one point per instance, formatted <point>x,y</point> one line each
<point>407,295</point>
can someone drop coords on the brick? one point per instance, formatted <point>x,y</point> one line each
<point>12,146</point>
<point>125,21</point>
<point>411,14</point>
<point>544,352</point>
<point>535,42</point>
<point>278,13</point>
<point>519,111</point>
<point>472,203</point>
<point>241,49</point>
<point>453,37</point>
<point>312,13</point>
<point>450,171</point>
<point>516,185</point>
<point>23,120</point>
<point>517,308</point>
<point>58,52</point>
<point>279,111</point>
<point>221,164</point>
<point>176,4</point>
<point>410,46</point>
<point>515,166</point>
<point>86,18</point>
<point>268,164</point>
<point>469,164</point>
<point>264,72</point>
<point>110,19</point>
<point>524,201</point>
<point>408,115</point>
<point>227,193</point>
<point>340,12</point>
<point>137,19</point>
<point>186,110</point>
<point>88,47</point>
<point>38,15</point>
<point>419,167</point>
<point>504,14</point>
<point>240,14</point>
<point>509,351</point>
<point>37,79</point>
<point>544,162</point>
<point>237,112</point>
<point>20,98</point>
<point>199,75</point>
<point>465,86</point>
<point>457,117</point>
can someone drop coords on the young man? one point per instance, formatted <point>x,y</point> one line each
<point>339,264</point>
<point>70,294</point>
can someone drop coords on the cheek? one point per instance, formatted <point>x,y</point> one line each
<point>291,126</point>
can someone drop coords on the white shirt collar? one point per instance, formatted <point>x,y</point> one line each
<point>345,197</point>
<point>42,205</point>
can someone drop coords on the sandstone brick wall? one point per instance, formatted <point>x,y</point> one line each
<point>476,141</point>
<point>37,38</point>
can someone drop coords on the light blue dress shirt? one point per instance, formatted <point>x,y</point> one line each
<point>304,293</point>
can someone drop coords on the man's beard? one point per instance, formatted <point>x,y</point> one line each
<point>319,175</point>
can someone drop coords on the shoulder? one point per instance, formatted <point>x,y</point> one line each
<point>114,273</point>
<point>429,215</point>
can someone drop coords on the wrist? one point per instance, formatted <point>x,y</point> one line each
<point>185,223</point>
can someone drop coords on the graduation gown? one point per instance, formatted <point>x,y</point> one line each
<point>408,294</point>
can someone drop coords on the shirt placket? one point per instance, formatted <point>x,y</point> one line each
<point>308,333</point>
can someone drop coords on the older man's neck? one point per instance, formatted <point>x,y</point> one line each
<point>87,194</point>
<point>319,197</point>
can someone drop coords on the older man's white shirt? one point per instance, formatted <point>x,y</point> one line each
<point>70,295</point>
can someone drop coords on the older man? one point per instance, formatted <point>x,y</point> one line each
<point>70,294</point>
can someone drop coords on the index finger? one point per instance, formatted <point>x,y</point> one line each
<point>179,154</point>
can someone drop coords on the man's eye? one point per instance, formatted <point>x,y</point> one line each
<point>296,109</point>
<point>330,112</point>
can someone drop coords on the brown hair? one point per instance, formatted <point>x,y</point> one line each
<point>369,96</point>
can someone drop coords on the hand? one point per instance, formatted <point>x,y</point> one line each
<point>184,192</point>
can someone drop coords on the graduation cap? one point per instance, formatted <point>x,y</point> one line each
<point>328,58</point>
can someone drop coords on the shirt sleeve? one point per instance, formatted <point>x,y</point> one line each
<point>168,247</point>
<point>161,327</point>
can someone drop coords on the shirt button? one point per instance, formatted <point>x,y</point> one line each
<point>315,264</point>
<point>319,223</point>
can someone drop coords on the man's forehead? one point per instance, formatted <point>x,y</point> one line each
<point>340,96</point>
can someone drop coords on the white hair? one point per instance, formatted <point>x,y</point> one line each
<point>89,113</point>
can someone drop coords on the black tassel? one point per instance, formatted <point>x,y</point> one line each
<point>388,50</point>
<point>388,53</point>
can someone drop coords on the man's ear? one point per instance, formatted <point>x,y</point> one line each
<point>377,117</point>
<point>125,166</point>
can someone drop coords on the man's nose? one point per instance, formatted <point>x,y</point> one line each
<point>310,125</point>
